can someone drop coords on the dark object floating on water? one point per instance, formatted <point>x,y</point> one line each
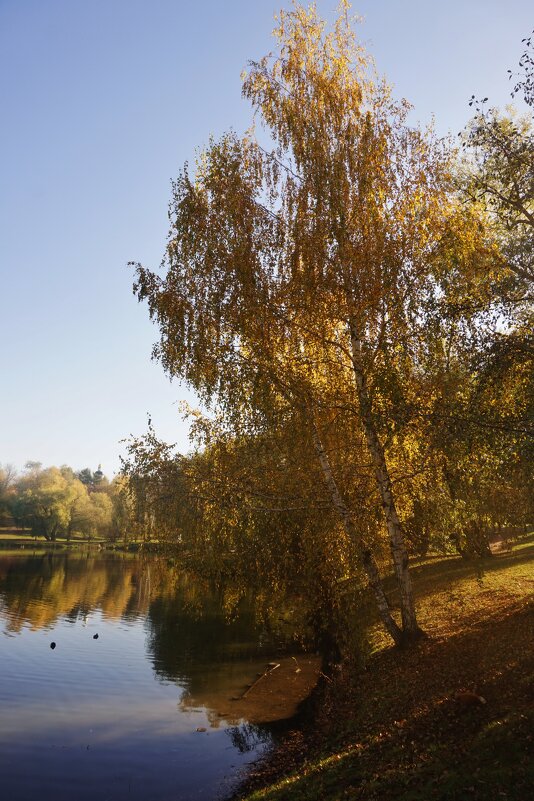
<point>95,636</point>
<point>201,728</point>
<point>52,645</point>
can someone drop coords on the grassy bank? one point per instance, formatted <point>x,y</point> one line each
<point>23,538</point>
<point>401,728</point>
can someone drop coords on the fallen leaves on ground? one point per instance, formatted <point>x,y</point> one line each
<point>400,730</point>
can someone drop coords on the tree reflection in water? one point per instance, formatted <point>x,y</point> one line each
<point>190,638</point>
<point>38,590</point>
<point>248,737</point>
<point>99,699</point>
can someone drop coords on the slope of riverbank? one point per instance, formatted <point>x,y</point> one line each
<point>410,726</point>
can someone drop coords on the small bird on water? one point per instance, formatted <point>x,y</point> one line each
<point>95,636</point>
<point>52,645</point>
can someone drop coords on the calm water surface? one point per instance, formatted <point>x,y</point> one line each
<point>115,718</point>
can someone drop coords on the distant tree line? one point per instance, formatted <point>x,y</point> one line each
<point>57,502</point>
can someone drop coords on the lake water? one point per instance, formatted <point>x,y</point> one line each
<point>115,717</point>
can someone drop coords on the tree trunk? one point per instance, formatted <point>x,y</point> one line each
<point>410,629</point>
<point>367,558</point>
<point>41,530</point>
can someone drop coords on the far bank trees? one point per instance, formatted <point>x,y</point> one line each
<point>53,502</point>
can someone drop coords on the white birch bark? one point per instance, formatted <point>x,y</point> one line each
<point>396,536</point>
<point>366,556</point>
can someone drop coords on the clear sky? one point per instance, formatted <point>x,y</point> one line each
<point>101,103</point>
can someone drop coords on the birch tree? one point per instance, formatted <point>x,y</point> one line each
<point>300,260</point>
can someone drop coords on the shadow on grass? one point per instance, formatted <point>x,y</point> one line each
<point>430,577</point>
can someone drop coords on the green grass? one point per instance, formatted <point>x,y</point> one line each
<point>397,730</point>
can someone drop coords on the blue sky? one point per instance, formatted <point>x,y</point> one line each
<point>101,103</point>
